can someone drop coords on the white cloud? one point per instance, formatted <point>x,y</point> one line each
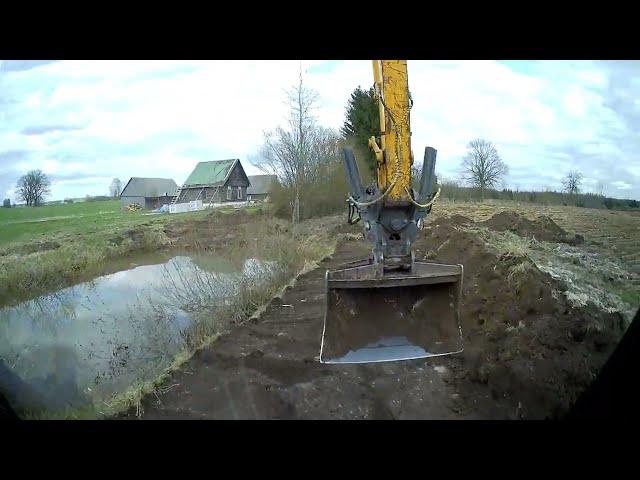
<point>157,118</point>
<point>619,184</point>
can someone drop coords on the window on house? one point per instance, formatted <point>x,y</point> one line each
<point>239,193</point>
<point>228,193</point>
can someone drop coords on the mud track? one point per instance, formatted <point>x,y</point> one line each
<point>268,369</point>
<point>527,353</point>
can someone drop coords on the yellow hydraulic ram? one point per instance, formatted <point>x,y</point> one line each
<point>394,152</point>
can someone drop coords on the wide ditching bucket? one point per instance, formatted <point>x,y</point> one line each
<point>372,317</point>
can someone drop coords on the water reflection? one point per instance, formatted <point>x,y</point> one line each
<point>88,341</point>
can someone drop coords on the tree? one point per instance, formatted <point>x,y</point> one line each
<point>33,187</point>
<point>482,166</point>
<point>6,203</point>
<point>572,182</point>
<point>115,188</point>
<point>295,152</point>
<point>361,123</point>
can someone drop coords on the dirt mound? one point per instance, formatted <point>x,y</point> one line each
<point>523,340</point>
<point>542,228</point>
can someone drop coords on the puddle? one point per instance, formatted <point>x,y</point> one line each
<point>84,343</point>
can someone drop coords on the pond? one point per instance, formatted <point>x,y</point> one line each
<point>84,343</point>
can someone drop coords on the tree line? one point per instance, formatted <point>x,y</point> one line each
<point>35,186</point>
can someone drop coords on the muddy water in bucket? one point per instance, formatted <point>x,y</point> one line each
<point>399,317</point>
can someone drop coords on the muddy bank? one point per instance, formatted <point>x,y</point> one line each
<point>163,311</point>
<point>524,340</point>
<point>528,351</point>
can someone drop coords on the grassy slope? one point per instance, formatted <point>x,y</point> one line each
<point>33,224</point>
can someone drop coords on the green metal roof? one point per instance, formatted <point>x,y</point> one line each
<point>210,173</point>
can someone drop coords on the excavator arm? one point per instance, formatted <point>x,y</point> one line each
<point>390,306</point>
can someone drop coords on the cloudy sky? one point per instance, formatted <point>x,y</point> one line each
<point>85,122</point>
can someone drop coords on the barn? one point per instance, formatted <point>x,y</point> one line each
<point>215,181</point>
<point>260,187</point>
<point>149,193</point>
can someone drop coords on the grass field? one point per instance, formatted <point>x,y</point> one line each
<point>31,224</point>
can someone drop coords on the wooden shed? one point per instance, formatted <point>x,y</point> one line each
<point>149,193</point>
<point>260,187</point>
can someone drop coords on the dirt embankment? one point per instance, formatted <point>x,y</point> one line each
<point>524,341</point>
<point>528,352</point>
<point>542,228</point>
<point>215,230</point>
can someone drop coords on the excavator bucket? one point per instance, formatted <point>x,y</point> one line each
<point>374,317</point>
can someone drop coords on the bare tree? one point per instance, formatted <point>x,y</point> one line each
<point>33,187</point>
<point>572,182</point>
<point>115,188</point>
<point>482,166</point>
<point>294,152</point>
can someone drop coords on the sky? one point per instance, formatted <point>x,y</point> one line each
<point>85,122</point>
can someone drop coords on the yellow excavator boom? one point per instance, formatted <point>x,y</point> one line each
<point>390,306</point>
<point>394,152</point>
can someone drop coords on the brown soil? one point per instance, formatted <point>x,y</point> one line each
<point>523,341</point>
<point>528,353</point>
<point>542,228</point>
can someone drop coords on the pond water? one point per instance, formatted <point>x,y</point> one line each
<point>86,342</point>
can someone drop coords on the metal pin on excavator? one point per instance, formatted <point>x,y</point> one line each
<point>391,307</point>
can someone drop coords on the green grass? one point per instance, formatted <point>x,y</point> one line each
<point>29,224</point>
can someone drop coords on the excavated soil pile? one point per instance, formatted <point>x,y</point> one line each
<point>543,228</point>
<point>528,353</point>
<point>523,340</point>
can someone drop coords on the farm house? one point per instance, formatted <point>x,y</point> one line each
<point>215,181</point>
<point>260,187</point>
<point>149,193</point>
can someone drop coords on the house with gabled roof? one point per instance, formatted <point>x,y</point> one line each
<point>260,187</point>
<point>215,181</point>
<point>148,192</point>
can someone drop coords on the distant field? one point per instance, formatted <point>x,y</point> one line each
<point>28,224</point>
<point>617,232</point>
<point>86,220</point>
